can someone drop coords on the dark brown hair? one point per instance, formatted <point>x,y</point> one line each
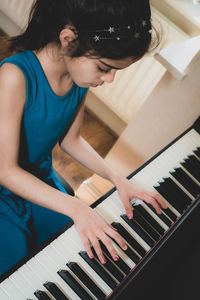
<point>49,17</point>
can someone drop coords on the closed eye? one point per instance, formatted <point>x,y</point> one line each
<point>103,71</point>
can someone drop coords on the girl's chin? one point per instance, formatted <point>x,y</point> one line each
<point>83,85</point>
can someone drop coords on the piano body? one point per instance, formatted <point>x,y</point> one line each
<point>162,260</point>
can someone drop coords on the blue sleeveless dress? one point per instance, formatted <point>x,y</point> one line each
<point>46,119</point>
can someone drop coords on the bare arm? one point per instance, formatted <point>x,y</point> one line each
<point>80,150</point>
<point>16,179</point>
<point>89,224</point>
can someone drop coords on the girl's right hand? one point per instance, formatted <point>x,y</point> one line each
<point>91,228</point>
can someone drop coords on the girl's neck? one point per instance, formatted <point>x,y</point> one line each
<point>55,68</point>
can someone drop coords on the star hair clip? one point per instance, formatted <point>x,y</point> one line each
<point>97,38</point>
<point>115,32</point>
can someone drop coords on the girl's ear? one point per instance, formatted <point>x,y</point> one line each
<point>66,36</point>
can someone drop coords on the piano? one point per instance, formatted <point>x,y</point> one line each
<point>163,256</point>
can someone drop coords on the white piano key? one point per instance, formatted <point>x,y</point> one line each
<point>162,166</point>
<point>46,266</point>
<point>3,295</point>
<point>147,180</point>
<point>170,158</point>
<point>21,285</point>
<point>50,255</point>
<point>164,226</point>
<point>72,238</point>
<point>45,275</point>
<point>190,175</point>
<point>192,138</point>
<point>9,291</point>
<point>121,254</point>
<point>182,188</point>
<point>174,180</point>
<point>33,280</point>
<point>111,212</point>
<point>116,200</point>
<point>60,246</point>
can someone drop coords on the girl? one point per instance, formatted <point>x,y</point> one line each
<point>67,47</point>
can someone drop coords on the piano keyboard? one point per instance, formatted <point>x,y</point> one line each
<point>62,270</point>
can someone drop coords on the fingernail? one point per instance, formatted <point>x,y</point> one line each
<point>104,261</point>
<point>91,256</point>
<point>125,247</point>
<point>129,217</point>
<point>116,257</point>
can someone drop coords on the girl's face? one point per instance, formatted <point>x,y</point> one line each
<point>93,72</point>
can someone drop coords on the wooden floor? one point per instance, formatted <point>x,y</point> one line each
<point>98,135</point>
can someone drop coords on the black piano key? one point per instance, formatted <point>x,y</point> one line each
<point>195,161</point>
<point>109,266</point>
<point>86,280</point>
<point>55,291</point>
<point>41,295</point>
<point>75,286</point>
<point>132,255</point>
<point>164,216</point>
<point>135,226</point>
<point>197,152</point>
<point>191,169</point>
<point>95,265</point>
<point>186,181</point>
<point>170,214</point>
<point>130,240</point>
<point>145,225</point>
<point>170,197</point>
<point>181,195</point>
<point>120,262</point>
<point>149,218</point>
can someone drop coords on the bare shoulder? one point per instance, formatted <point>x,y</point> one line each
<point>12,83</point>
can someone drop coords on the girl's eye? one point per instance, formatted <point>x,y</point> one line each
<point>102,70</point>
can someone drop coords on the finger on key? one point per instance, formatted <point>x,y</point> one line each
<point>160,200</point>
<point>117,237</point>
<point>108,243</point>
<point>88,249</point>
<point>113,228</point>
<point>98,250</point>
<point>129,209</point>
<point>156,206</point>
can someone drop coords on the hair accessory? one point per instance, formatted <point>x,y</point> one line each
<point>111,29</point>
<point>117,33</point>
<point>144,23</point>
<point>97,38</point>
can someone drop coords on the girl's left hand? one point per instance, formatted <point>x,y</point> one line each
<point>127,191</point>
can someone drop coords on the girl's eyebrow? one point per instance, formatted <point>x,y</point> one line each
<point>109,66</point>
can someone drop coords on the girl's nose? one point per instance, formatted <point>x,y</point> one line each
<point>109,77</point>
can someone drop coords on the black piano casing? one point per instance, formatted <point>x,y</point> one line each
<point>172,270</point>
